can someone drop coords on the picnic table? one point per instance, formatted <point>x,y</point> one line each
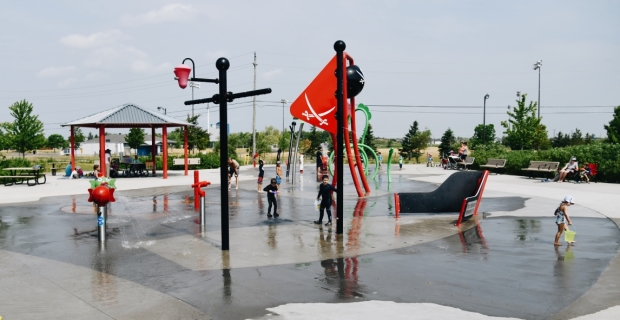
<point>18,175</point>
<point>135,169</point>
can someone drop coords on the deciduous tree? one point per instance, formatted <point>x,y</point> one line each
<point>613,128</point>
<point>135,138</point>
<point>26,131</point>
<point>524,129</point>
<point>55,141</point>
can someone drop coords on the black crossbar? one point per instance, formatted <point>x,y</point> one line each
<point>229,96</point>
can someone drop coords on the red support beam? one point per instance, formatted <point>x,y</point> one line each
<point>72,148</point>
<point>102,163</point>
<point>164,141</point>
<point>153,149</point>
<point>186,134</point>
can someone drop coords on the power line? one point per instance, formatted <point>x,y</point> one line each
<point>472,107</point>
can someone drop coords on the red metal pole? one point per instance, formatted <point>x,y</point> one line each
<point>164,140</point>
<point>397,205</point>
<point>347,139</point>
<point>72,148</point>
<point>185,147</point>
<point>102,163</point>
<point>196,188</point>
<point>153,149</point>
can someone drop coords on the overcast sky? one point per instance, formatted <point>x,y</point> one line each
<point>76,58</point>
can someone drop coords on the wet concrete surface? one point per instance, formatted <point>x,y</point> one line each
<point>501,267</point>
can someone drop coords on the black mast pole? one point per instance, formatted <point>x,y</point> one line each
<point>339,46</point>
<point>222,65</point>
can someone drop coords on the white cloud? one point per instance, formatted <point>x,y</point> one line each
<point>94,40</point>
<point>272,73</point>
<point>52,72</point>
<point>175,12</point>
<point>111,56</point>
<point>67,82</point>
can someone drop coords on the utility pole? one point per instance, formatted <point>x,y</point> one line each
<point>208,120</point>
<point>538,66</point>
<point>197,86</point>
<point>254,116</point>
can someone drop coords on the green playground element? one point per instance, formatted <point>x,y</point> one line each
<point>389,168</point>
<point>363,148</point>
<point>97,182</point>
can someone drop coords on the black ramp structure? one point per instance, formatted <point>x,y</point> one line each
<point>448,197</point>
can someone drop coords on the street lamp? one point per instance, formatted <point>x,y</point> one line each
<point>162,108</point>
<point>284,102</point>
<point>484,121</point>
<point>538,66</point>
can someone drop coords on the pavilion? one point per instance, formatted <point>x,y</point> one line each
<point>130,116</point>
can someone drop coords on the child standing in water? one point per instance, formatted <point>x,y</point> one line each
<point>261,174</point>
<point>278,174</point>
<point>325,193</point>
<point>400,163</point>
<point>561,218</point>
<point>272,190</point>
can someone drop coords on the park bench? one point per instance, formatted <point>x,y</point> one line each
<point>190,161</point>
<point>494,164</point>
<point>468,162</point>
<point>541,166</point>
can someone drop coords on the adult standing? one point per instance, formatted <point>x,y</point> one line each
<point>107,162</point>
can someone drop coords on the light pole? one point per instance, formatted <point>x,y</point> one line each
<point>484,121</point>
<point>508,118</point>
<point>162,108</point>
<point>538,66</point>
<point>193,85</point>
<point>284,102</point>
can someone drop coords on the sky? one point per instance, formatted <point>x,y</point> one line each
<point>435,60</point>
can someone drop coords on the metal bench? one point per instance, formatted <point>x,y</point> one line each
<point>468,162</point>
<point>494,164</point>
<point>181,161</point>
<point>541,166</point>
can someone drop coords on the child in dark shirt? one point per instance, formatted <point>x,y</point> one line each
<point>272,190</point>
<point>261,173</point>
<point>325,193</point>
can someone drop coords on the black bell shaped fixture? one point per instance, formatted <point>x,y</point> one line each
<point>355,81</point>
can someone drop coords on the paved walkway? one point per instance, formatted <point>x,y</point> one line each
<point>158,264</point>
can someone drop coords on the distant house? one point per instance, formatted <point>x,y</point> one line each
<point>117,145</point>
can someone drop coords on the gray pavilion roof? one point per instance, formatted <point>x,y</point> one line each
<point>128,116</point>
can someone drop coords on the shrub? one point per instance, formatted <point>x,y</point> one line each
<point>13,163</point>
<point>607,156</point>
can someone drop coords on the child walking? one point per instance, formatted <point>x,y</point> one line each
<point>400,163</point>
<point>561,218</point>
<point>325,193</point>
<point>278,174</point>
<point>261,174</point>
<point>272,190</point>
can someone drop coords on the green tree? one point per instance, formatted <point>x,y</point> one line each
<point>479,135</point>
<point>576,138</point>
<point>447,140</point>
<point>284,140</point>
<point>414,141</point>
<point>613,128</point>
<point>524,129</point>
<point>561,140</point>
<point>4,140</point>
<point>135,138</point>
<point>588,139</point>
<point>26,131</point>
<point>90,136</point>
<point>369,139</point>
<point>55,141</point>
<point>197,137</point>
<point>78,136</point>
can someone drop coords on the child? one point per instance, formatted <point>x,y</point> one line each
<point>429,162</point>
<point>261,173</point>
<point>561,214</point>
<point>325,193</point>
<point>400,163</point>
<point>278,174</point>
<point>96,171</point>
<point>585,172</point>
<point>380,159</point>
<point>301,163</point>
<point>272,190</point>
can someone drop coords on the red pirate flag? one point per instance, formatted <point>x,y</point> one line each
<point>317,104</point>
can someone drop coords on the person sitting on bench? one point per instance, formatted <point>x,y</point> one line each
<point>570,167</point>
